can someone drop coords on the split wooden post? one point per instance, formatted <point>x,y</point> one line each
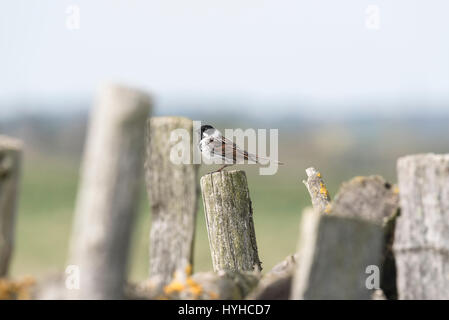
<point>421,242</point>
<point>173,192</point>
<point>334,254</point>
<point>229,220</point>
<point>10,167</point>
<point>108,194</point>
<point>317,190</point>
<point>276,284</point>
<point>374,199</point>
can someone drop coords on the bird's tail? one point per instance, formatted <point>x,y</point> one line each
<point>258,158</point>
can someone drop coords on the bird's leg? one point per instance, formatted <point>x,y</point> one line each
<point>226,165</point>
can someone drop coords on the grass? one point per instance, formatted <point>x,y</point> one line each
<point>49,186</point>
<point>46,205</point>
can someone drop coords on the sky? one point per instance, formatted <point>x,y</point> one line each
<point>319,57</point>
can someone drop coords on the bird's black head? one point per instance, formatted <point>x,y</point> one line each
<point>205,128</point>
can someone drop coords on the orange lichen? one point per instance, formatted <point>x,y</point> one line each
<point>188,269</point>
<point>5,289</point>
<point>194,288</point>
<point>174,286</point>
<point>196,291</point>
<point>191,282</point>
<point>213,295</point>
<point>323,190</point>
<point>20,290</point>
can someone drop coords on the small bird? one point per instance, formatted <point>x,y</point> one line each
<point>216,147</point>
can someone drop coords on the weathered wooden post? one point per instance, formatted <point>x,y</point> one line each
<point>373,199</point>
<point>108,193</point>
<point>334,254</point>
<point>10,166</point>
<point>229,220</point>
<point>421,242</point>
<point>317,190</point>
<point>276,284</point>
<point>173,191</point>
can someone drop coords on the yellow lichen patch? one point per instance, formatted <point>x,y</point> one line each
<point>328,208</point>
<point>188,269</point>
<point>323,190</point>
<point>396,190</point>
<point>191,282</point>
<point>318,175</point>
<point>19,290</point>
<point>194,288</point>
<point>5,289</point>
<point>213,295</point>
<point>174,286</point>
<point>359,179</point>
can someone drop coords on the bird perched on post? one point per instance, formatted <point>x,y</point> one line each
<point>216,147</point>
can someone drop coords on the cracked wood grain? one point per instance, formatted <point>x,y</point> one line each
<point>229,221</point>
<point>173,192</point>
<point>421,244</point>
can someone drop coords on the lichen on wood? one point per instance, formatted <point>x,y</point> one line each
<point>317,189</point>
<point>229,221</point>
<point>222,285</point>
<point>370,198</point>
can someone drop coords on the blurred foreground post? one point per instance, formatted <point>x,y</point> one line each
<point>373,199</point>
<point>334,254</point>
<point>229,220</point>
<point>172,190</point>
<point>276,283</point>
<point>108,193</point>
<point>421,242</point>
<point>10,166</point>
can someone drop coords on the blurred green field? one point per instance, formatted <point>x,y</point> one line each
<point>47,199</point>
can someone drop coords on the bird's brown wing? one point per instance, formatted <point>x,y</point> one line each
<point>228,150</point>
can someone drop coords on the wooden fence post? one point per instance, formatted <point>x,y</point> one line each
<point>334,253</point>
<point>373,199</point>
<point>229,220</point>
<point>108,193</point>
<point>317,190</point>
<point>173,192</point>
<point>10,167</point>
<point>421,242</point>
